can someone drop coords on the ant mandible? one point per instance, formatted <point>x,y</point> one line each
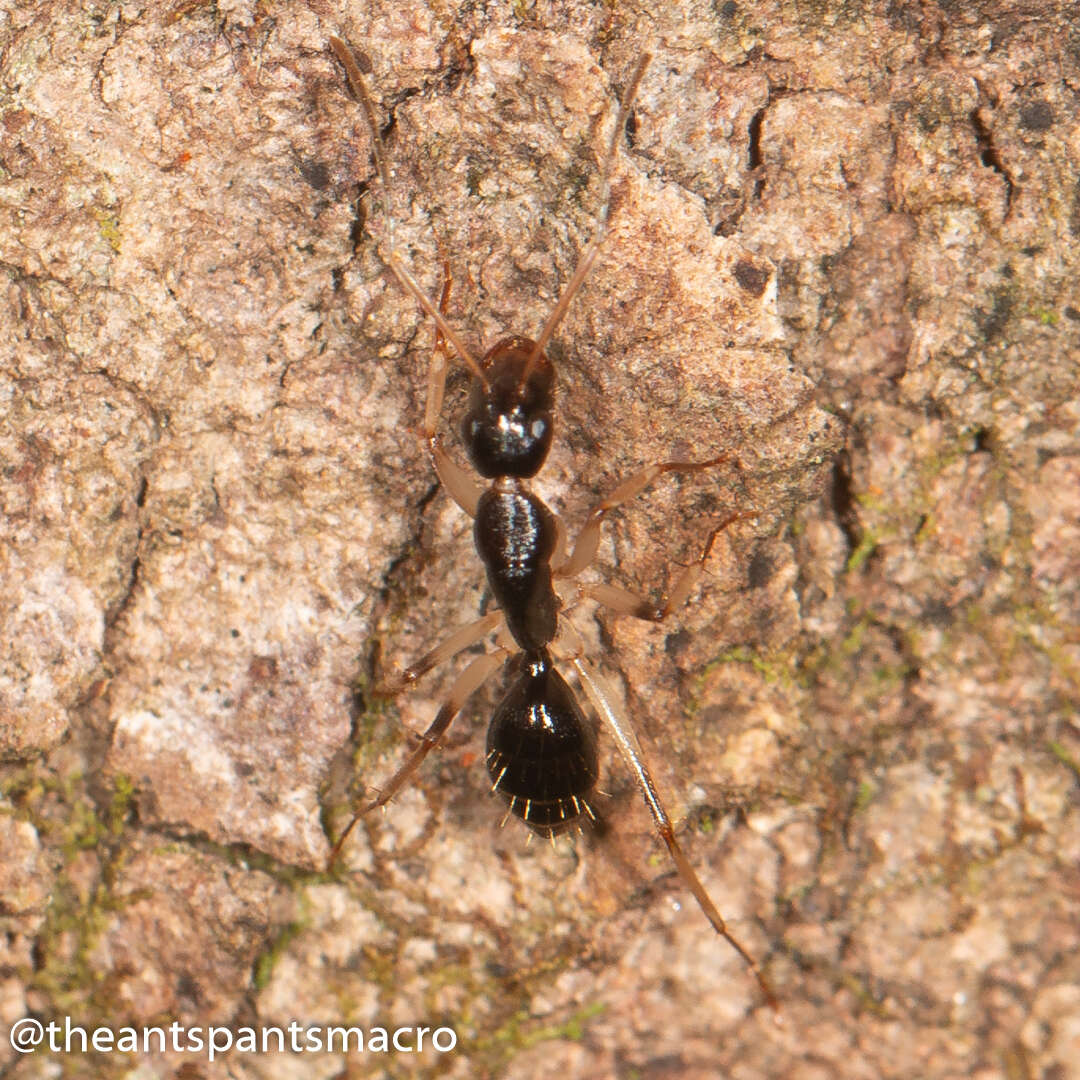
<point>541,751</point>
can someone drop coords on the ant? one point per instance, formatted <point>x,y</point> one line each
<point>541,751</point>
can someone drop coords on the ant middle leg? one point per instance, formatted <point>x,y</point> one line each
<point>588,540</point>
<point>624,602</point>
<point>447,649</point>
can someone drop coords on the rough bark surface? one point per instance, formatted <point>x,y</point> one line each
<point>843,251</point>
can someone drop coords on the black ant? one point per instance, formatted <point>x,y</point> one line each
<point>541,751</point>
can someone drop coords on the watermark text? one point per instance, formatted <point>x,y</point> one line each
<point>65,1037</point>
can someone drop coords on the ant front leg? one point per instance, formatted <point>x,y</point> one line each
<point>463,489</point>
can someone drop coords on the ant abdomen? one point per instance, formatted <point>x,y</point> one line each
<point>541,750</point>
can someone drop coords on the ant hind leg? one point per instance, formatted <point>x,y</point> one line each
<point>626,740</point>
<point>467,683</point>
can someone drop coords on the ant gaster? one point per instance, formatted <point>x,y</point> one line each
<point>541,750</point>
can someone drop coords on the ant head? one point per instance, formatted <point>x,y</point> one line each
<point>507,429</point>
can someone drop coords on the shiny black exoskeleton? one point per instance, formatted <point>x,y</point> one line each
<point>508,427</point>
<point>541,751</point>
<point>507,435</point>
<point>514,534</point>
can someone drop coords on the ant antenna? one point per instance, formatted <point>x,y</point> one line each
<point>408,283</point>
<point>585,263</point>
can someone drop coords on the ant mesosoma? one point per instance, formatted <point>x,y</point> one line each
<point>541,750</point>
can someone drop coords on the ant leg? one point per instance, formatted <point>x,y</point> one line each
<point>604,703</point>
<point>625,602</point>
<point>589,538</point>
<point>446,650</point>
<point>436,387</point>
<point>459,483</point>
<point>468,682</point>
<point>558,555</point>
